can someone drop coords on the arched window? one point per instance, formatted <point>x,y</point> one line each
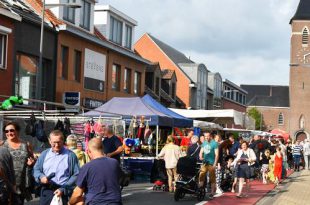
<point>305,36</point>
<point>281,119</point>
<point>302,122</point>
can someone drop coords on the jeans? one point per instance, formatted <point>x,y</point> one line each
<point>172,176</point>
<point>307,163</point>
<point>296,161</point>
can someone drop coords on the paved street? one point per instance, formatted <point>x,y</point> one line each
<point>293,191</point>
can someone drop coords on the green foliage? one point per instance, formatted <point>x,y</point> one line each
<point>257,116</point>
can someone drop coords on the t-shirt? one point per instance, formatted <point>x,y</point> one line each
<point>234,148</point>
<point>99,178</point>
<point>297,150</point>
<point>185,141</point>
<point>110,145</point>
<point>209,151</point>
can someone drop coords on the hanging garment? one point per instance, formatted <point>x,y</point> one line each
<point>67,127</point>
<point>30,130</point>
<point>39,131</point>
<point>59,126</point>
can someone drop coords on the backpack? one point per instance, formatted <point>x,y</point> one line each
<point>39,131</point>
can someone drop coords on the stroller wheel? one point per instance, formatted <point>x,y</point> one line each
<point>201,194</point>
<point>178,194</point>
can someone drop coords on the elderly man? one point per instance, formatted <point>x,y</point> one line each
<point>56,170</point>
<point>97,183</point>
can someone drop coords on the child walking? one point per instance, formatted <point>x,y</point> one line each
<point>264,158</point>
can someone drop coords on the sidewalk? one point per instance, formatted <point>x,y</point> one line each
<point>257,192</point>
<point>294,191</point>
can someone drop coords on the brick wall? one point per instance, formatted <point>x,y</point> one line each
<point>149,50</point>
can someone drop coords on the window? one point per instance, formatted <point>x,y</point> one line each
<point>64,62</point>
<point>305,36</point>
<point>127,80</point>
<point>137,83</point>
<point>116,30</point>
<point>116,69</point>
<point>281,119</point>
<point>85,15</point>
<point>173,90</point>
<point>128,36</point>
<point>69,13</point>
<point>3,51</point>
<point>77,65</point>
<point>157,86</point>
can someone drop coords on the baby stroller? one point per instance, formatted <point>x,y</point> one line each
<point>159,175</point>
<point>188,183</point>
<point>227,179</point>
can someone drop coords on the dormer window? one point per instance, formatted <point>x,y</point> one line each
<point>69,13</point>
<point>305,36</point>
<point>116,30</point>
<point>85,14</point>
<point>128,36</point>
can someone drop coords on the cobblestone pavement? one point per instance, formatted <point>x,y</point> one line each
<point>293,191</point>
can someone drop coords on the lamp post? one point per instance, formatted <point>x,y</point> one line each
<point>40,67</point>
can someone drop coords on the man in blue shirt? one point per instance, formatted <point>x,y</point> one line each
<point>209,155</point>
<point>56,170</point>
<point>98,180</point>
<point>234,145</point>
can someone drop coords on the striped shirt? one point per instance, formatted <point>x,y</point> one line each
<point>297,150</point>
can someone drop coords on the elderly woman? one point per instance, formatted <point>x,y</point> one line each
<point>171,154</point>
<point>23,160</point>
<point>245,158</point>
<point>194,148</point>
<point>80,154</point>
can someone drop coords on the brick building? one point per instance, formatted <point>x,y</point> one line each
<point>273,103</point>
<point>234,97</point>
<point>192,78</point>
<point>7,32</point>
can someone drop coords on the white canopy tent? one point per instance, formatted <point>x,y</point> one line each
<point>227,116</point>
<point>207,125</point>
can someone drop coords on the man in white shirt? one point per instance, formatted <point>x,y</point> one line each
<point>307,154</point>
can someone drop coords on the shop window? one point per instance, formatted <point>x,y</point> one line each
<point>128,36</point>
<point>305,36</point>
<point>69,13</point>
<point>281,119</point>
<point>116,30</point>
<point>116,69</point>
<point>85,15</point>
<point>64,62</point>
<point>3,50</point>
<point>127,80</point>
<point>137,83</point>
<point>77,65</point>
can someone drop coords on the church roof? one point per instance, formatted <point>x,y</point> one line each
<point>303,11</point>
<point>267,95</point>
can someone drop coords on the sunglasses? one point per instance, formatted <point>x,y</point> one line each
<point>10,130</point>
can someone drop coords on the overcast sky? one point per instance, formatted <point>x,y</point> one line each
<point>246,41</point>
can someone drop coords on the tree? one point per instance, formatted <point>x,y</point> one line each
<point>258,117</point>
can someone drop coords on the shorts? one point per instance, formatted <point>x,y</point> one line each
<point>207,169</point>
<point>265,168</point>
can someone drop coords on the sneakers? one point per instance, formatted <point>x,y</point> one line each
<point>218,194</point>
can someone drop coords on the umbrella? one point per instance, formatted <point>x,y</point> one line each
<point>282,133</point>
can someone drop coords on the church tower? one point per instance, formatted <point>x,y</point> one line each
<point>300,72</point>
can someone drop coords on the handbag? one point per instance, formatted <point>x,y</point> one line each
<point>56,200</point>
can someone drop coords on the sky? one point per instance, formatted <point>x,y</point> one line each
<point>246,41</point>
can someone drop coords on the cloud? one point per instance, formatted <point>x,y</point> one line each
<point>256,32</point>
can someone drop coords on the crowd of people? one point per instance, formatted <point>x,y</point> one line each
<point>63,172</point>
<point>260,158</point>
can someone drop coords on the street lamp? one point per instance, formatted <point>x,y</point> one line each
<point>39,70</point>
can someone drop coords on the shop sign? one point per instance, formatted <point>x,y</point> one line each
<point>71,98</point>
<point>92,103</point>
<point>94,70</point>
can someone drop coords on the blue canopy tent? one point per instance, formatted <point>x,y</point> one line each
<point>178,120</point>
<point>131,106</point>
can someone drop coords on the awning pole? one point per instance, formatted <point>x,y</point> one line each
<point>157,138</point>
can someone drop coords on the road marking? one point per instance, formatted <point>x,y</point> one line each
<point>124,195</point>
<point>202,203</point>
